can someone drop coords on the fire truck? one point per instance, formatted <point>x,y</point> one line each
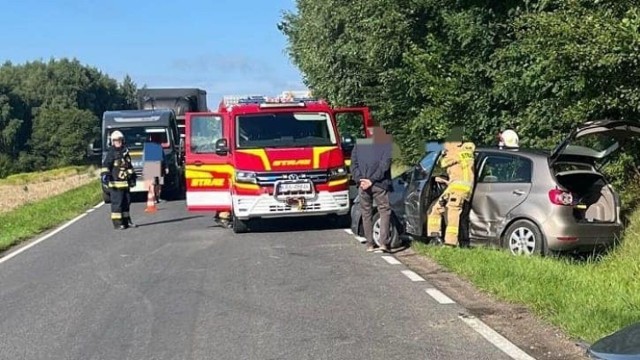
<point>261,157</point>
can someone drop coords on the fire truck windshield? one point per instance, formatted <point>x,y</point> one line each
<point>284,129</point>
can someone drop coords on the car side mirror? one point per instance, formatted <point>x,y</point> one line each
<point>222,147</point>
<point>348,142</point>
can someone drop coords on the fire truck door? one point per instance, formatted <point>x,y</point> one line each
<point>208,162</point>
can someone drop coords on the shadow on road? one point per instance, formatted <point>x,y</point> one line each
<point>170,220</point>
<point>293,225</point>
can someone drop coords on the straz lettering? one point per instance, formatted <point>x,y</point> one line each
<point>291,162</point>
<point>207,182</point>
<point>466,155</point>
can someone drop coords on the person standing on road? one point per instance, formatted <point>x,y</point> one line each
<point>117,172</point>
<point>371,170</point>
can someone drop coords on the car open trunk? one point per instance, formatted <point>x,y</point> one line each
<point>593,197</point>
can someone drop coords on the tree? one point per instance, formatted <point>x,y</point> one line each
<point>539,67</point>
<point>55,97</point>
<point>60,134</point>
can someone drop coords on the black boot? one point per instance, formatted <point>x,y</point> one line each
<point>130,223</point>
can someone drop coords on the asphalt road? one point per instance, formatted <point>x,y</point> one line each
<point>180,287</point>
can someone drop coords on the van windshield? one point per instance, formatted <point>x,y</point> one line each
<point>284,129</point>
<point>135,137</point>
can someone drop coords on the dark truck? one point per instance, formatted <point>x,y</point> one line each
<point>138,127</point>
<point>181,100</point>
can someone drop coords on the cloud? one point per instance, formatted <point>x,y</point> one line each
<point>208,63</point>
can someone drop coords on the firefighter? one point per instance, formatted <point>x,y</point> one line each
<point>508,139</point>
<point>457,160</point>
<point>117,173</point>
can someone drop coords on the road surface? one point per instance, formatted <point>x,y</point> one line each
<point>181,287</point>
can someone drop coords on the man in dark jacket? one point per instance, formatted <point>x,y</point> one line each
<point>371,170</point>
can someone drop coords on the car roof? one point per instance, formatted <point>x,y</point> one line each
<point>529,153</point>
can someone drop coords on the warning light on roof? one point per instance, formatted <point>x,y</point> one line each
<point>287,98</point>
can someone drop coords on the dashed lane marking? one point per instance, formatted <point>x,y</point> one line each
<point>412,275</point>
<point>391,260</point>
<point>439,296</point>
<point>496,339</point>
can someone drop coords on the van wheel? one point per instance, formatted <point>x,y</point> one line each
<point>524,238</point>
<point>394,239</point>
<point>106,197</point>
<point>239,226</point>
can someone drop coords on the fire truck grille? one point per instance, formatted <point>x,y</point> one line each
<point>287,208</point>
<point>317,177</point>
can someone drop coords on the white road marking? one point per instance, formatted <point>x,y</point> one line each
<point>412,276</point>
<point>361,239</point>
<point>66,225</point>
<point>348,231</point>
<point>496,339</point>
<point>439,296</point>
<point>391,260</point>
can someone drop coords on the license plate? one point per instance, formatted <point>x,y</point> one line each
<point>295,187</point>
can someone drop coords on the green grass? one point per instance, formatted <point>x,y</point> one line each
<point>31,219</point>
<point>588,299</point>
<point>40,176</point>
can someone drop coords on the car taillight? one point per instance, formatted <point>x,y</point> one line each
<point>559,197</point>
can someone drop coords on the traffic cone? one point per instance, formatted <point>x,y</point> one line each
<point>151,200</point>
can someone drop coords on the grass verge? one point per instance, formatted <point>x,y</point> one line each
<point>29,220</point>
<point>42,176</point>
<point>588,299</point>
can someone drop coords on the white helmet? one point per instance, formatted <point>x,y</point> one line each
<point>116,135</point>
<point>509,138</point>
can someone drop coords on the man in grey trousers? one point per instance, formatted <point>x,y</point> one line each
<point>371,170</point>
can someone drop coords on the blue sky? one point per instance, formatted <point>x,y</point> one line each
<point>222,46</point>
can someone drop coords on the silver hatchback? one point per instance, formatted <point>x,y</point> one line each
<point>528,201</point>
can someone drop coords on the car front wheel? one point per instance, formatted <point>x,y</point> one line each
<point>393,232</point>
<point>523,237</point>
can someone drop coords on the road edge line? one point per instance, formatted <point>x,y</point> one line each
<point>50,234</point>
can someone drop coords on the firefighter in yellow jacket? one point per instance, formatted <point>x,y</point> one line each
<point>117,173</point>
<point>458,161</point>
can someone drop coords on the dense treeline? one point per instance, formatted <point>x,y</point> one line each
<point>49,111</point>
<point>539,67</point>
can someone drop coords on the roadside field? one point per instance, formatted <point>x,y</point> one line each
<point>32,219</point>
<point>19,189</point>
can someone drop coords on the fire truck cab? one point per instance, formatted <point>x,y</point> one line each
<point>259,157</point>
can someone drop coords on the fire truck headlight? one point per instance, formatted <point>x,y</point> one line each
<point>246,177</point>
<point>337,173</point>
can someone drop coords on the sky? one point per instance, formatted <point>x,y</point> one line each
<point>222,46</point>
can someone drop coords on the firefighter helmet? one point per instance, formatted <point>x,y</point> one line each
<point>117,135</point>
<point>510,138</point>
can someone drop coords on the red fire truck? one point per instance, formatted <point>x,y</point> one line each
<point>259,157</point>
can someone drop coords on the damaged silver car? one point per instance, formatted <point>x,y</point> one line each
<point>528,201</point>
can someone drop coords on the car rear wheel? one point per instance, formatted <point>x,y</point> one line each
<point>393,232</point>
<point>524,238</point>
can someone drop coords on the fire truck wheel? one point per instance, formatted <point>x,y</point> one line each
<point>239,226</point>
